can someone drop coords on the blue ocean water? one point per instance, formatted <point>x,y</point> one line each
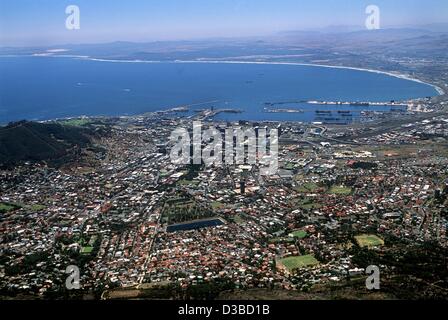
<point>40,88</point>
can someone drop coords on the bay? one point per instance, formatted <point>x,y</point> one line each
<point>42,88</point>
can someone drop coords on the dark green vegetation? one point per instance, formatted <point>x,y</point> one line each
<point>32,141</point>
<point>28,263</point>
<point>306,203</point>
<point>182,209</point>
<point>78,122</point>
<point>6,207</point>
<point>319,292</point>
<point>364,165</point>
<point>204,290</point>
<point>414,270</point>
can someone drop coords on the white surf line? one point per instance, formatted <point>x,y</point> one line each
<point>392,74</point>
<point>439,90</point>
<point>119,61</point>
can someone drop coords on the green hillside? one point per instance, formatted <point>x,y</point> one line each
<point>33,141</point>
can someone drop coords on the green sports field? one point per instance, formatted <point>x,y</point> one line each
<point>340,190</point>
<point>86,250</point>
<point>307,187</point>
<point>296,262</point>
<point>369,240</point>
<point>299,234</point>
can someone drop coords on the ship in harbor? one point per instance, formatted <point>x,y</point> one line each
<point>360,104</point>
<point>283,110</point>
<point>334,117</point>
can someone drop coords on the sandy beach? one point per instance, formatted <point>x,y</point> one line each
<point>392,74</point>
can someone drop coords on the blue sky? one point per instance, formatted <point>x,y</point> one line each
<point>33,22</point>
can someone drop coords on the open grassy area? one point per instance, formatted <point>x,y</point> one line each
<point>311,206</point>
<point>299,234</point>
<point>289,166</point>
<point>307,187</point>
<point>307,203</point>
<point>185,182</point>
<point>217,205</point>
<point>76,122</point>
<point>403,151</point>
<point>86,250</point>
<point>238,219</point>
<point>36,207</point>
<point>296,262</point>
<point>369,240</point>
<point>241,218</point>
<point>6,207</point>
<point>341,190</point>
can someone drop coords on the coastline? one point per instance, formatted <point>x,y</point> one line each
<point>438,89</point>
